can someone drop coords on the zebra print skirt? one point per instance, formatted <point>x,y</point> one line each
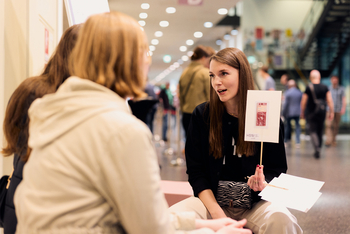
<point>234,194</point>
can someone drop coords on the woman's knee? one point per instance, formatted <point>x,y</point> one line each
<point>282,222</point>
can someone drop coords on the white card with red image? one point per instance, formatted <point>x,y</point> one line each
<point>263,116</point>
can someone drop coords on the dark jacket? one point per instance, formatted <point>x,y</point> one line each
<point>205,171</point>
<point>10,219</point>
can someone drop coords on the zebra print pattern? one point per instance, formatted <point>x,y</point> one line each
<point>234,194</point>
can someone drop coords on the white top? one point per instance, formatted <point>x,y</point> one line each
<point>93,168</point>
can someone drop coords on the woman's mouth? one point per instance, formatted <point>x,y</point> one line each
<point>221,91</point>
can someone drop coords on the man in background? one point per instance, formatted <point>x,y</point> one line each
<point>315,117</point>
<point>269,82</point>
<point>339,101</point>
<point>291,111</point>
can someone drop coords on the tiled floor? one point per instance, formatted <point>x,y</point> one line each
<point>331,212</point>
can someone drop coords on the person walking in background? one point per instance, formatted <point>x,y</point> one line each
<point>150,115</point>
<point>194,83</point>
<point>339,101</point>
<point>166,98</point>
<point>313,108</point>
<point>269,82</point>
<point>291,111</point>
<point>284,81</point>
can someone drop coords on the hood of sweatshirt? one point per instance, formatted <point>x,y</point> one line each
<point>74,102</point>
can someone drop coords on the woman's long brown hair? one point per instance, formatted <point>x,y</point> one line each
<point>237,59</point>
<point>16,121</point>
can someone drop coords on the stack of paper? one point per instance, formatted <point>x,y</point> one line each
<point>293,192</point>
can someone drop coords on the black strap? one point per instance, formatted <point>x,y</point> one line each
<point>313,92</point>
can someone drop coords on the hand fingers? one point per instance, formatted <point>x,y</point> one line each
<point>240,224</point>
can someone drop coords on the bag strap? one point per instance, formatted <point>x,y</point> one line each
<point>189,84</point>
<point>9,179</point>
<point>313,92</point>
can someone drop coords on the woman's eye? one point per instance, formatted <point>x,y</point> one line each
<point>224,73</point>
<point>211,75</point>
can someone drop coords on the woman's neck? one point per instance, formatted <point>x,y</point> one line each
<point>231,109</point>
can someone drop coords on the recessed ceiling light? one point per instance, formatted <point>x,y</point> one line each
<point>184,58</point>
<point>143,15</point>
<point>198,34</point>
<point>189,53</point>
<point>222,11</point>
<point>208,24</point>
<point>231,12</point>
<point>170,10</point>
<point>180,61</point>
<point>158,34</point>
<point>176,64</point>
<point>152,48</point>
<point>183,48</point>
<point>142,23</point>
<point>189,42</point>
<point>145,6</point>
<point>234,32</point>
<point>219,42</point>
<point>164,24</point>
<point>172,68</point>
<point>227,36</point>
<point>155,42</point>
<point>167,58</point>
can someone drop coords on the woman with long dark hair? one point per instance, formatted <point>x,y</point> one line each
<point>223,169</point>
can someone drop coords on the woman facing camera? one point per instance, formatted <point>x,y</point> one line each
<point>221,166</point>
<point>93,167</point>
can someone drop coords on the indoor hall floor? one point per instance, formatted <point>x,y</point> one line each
<point>331,212</point>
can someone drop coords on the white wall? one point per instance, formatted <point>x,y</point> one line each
<point>22,50</point>
<point>272,14</point>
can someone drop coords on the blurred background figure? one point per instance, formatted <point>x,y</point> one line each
<point>284,81</point>
<point>291,111</point>
<point>339,101</point>
<point>269,82</point>
<point>150,115</point>
<point>315,117</point>
<point>195,82</point>
<point>166,98</point>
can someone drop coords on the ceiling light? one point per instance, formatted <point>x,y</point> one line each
<point>219,42</point>
<point>167,58</point>
<point>155,42</point>
<point>208,24</point>
<point>145,6</point>
<point>172,68</point>
<point>158,34</point>
<point>234,32</point>
<point>170,10</point>
<point>222,11</point>
<point>152,48</point>
<point>142,23</point>
<point>189,53</point>
<point>183,48</point>
<point>198,34</point>
<point>143,15</point>
<point>180,61</point>
<point>189,42</point>
<point>164,24</point>
<point>176,64</point>
<point>184,58</point>
<point>227,36</point>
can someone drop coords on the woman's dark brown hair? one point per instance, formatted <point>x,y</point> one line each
<point>237,59</point>
<point>202,51</point>
<point>16,122</point>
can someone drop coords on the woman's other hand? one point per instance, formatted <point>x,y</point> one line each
<point>257,181</point>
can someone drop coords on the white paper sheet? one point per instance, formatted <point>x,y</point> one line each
<point>293,192</point>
